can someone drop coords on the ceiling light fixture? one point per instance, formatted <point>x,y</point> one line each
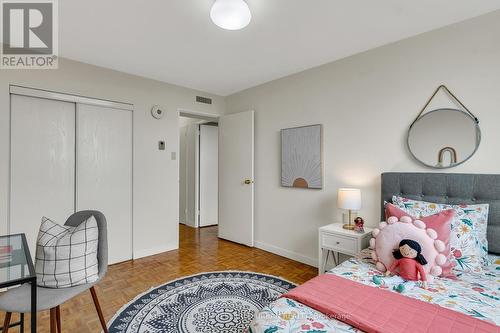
<point>230,14</point>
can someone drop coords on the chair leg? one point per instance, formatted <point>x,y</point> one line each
<point>58,318</point>
<point>99,311</point>
<point>21,327</point>
<point>6,322</point>
<point>53,321</point>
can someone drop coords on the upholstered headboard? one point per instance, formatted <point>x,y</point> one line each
<point>451,188</point>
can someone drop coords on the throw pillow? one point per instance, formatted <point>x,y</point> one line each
<point>469,245</point>
<point>387,236</point>
<point>441,223</point>
<point>66,256</point>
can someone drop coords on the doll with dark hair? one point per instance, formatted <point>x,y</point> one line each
<point>410,262</point>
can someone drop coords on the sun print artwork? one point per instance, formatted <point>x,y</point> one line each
<point>301,157</point>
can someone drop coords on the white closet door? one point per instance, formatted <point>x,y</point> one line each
<point>104,172</point>
<point>209,175</point>
<point>42,163</point>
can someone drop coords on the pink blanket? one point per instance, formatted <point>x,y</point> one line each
<point>375,310</point>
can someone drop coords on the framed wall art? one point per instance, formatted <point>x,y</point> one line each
<point>302,157</point>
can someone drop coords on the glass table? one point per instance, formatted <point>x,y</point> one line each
<point>16,268</point>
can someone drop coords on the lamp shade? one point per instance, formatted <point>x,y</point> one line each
<point>349,198</point>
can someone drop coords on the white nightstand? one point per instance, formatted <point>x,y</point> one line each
<point>335,239</point>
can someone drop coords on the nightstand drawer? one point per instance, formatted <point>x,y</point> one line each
<point>337,242</point>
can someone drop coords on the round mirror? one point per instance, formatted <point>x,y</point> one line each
<point>444,138</point>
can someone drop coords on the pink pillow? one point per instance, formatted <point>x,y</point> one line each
<point>388,235</point>
<point>440,222</point>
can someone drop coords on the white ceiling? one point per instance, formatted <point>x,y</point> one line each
<point>174,40</point>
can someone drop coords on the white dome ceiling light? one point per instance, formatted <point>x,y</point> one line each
<point>230,14</point>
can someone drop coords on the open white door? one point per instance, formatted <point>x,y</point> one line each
<point>236,177</point>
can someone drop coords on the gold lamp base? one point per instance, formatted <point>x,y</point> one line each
<point>349,226</point>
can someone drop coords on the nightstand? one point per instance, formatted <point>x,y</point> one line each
<point>336,240</point>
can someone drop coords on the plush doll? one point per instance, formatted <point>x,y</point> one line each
<point>410,261</point>
<point>358,224</point>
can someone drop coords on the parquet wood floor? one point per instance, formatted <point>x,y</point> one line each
<point>200,251</point>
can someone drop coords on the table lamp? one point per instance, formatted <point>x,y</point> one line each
<point>349,199</point>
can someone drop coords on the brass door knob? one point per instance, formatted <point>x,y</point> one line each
<point>248,181</point>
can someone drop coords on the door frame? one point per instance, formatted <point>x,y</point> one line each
<point>77,99</point>
<point>209,117</point>
<point>197,114</point>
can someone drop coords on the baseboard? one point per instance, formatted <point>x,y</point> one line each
<point>187,221</point>
<point>154,250</point>
<point>286,253</point>
<point>191,223</point>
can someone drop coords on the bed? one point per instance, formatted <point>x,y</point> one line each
<point>474,294</point>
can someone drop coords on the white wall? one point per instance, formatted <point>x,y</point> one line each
<point>366,103</point>
<point>156,189</point>
<point>182,174</point>
<point>208,183</point>
<point>184,121</point>
<point>188,160</point>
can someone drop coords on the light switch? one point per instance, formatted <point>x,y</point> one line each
<point>161,145</point>
<point>173,155</point>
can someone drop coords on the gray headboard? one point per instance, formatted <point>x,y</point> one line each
<point>451,188</point>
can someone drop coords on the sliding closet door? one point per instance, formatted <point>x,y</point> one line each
<point>104,172</point>
<point>42,163</point>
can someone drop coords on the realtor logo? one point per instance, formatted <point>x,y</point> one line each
<point>29,34</point>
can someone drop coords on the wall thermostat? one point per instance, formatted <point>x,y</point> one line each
<point>161,145</point>
<point>156,112</point>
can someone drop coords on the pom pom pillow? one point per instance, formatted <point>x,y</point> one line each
<point>387,236</point>
<point>469,246</point>
<point>441,223</point>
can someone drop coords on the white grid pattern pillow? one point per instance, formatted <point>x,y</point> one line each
<point>66,256</point>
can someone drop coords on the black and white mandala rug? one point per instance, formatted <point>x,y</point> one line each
<point>222,302</point>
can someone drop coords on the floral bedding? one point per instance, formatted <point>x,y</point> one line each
<point>475,294</point>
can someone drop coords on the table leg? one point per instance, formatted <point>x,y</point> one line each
<point>335,258</point>
<point>21,327</point>
<point>33,306</point>
<point>321,267</point>
<point>326,260</point>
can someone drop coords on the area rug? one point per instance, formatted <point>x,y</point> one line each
<point>223,302</point>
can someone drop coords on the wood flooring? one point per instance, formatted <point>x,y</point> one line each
<point>199,251</point>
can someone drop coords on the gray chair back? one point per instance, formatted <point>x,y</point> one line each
<point>102,249</point>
